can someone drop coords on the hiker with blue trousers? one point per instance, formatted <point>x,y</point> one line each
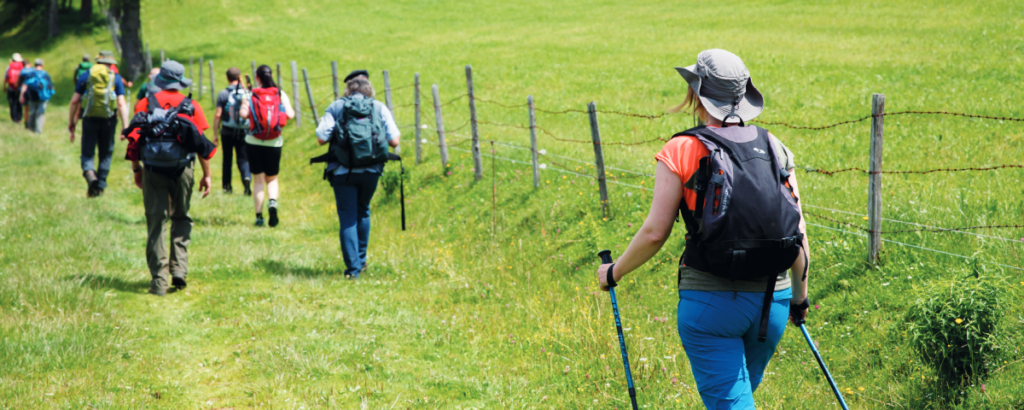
<point>36,90</point>
<point>353,173</point>
<point>232,129</point>
<point>99,99</point>
<point>734,186</point>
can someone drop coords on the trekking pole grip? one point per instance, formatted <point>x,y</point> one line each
<point>606,256</point>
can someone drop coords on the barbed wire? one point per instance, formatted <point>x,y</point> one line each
<point>925,228</point>
<point>888,114</point>
<point>913,246</point>
<point>920,172</point>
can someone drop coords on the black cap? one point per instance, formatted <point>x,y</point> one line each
<point>357,73</point>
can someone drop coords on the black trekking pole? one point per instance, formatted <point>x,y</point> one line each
<point>401,183</point>
<point>821,363</point>
<point>606,258</point>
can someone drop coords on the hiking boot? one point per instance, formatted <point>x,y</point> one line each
<point>273,217</point>
<point>227,190</point>
<point>93,182</point>
<point>245,183</point>
<point>259,221</point>
<point>98,191</point>
<point>178,283</point>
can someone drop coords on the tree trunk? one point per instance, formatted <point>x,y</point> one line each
<point>131,40</point>
<point>85,12</point>
<point>52,18</point>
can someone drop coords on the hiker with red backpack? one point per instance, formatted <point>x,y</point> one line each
<point>12,85</point>
<point>99,99</point>
<point>165,138</point>
<point>36,90</point>
<point>228,120</point>
<point>359,130</point>
<point>268,111</point>
<point>734,186</point>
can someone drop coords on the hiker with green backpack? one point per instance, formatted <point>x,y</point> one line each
<point>359,130</point>
<point>99,99</point>
<point>83,67</point>
<point>36,90</point>
<point>734,187</point>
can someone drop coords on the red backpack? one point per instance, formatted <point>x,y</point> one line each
<point>13,72</point>
<point>266,117</point>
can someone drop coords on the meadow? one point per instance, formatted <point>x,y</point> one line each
<point>489,299</point>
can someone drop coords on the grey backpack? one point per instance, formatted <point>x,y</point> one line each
<point>159,130</point>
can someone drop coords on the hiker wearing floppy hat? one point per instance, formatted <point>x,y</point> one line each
<point>163,167</point>
<point>98,100</point>
<point>744,230</point>
<point>11,85</point>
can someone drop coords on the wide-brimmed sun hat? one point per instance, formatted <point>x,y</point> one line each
<point>723,84</point>
<point>106,57</point>
<point>171,77</point>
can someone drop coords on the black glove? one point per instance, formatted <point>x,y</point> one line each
<point>797,311</point>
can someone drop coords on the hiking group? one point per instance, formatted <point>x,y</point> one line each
<point>29,89</point>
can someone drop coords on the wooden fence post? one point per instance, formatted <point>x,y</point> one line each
<point>478,171</point>
<point>334,74</point>
<point>253,62</point>
<point>213,88</point>
<point>200,86</point>
<point>875,178</point>
<point>295,95</point>
<point>440,129</point>
<point>190,86</point>
<point>533,142</point>
<point>419,145</point>
<point>279,86</point>
<point>162,58</point>
<point>149,60</point>
<point>595,135</point>
<point>309,95</point>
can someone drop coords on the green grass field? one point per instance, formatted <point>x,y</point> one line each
<point>479,308</point>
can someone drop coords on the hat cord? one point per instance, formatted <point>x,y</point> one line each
<point>732,113</point>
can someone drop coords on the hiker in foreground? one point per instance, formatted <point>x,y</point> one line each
<point>165,138</point>
<point>228,120</point>
<point>739,199</point>
<point>270,111</point>
<point>36,91</point>
<point>359,130</point>
<point>12,86</point>
<point>99,99</point>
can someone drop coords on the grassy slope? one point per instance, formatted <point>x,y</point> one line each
<point>452,314</point>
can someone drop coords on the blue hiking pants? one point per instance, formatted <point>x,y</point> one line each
<point>352,194</point>
<point>719,334</point>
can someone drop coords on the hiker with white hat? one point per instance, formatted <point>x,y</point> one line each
<point>12,86</point>
<point>734,186</point>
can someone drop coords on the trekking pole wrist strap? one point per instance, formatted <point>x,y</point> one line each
<point>806,304</point>
<point>611,277</point>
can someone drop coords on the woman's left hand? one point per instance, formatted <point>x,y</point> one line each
<point>602,276</point>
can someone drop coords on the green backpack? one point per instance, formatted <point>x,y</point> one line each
<point>100,98</point>
<point>83,68</point>
<point>359,139</point>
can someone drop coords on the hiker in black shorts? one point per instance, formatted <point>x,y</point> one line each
<point>232,129</point>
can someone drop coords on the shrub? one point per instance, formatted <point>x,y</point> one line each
<point>953,327</point>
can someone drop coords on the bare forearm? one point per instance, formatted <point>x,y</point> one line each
<point>73,115</point>
<point>641,249</point>
<point>205,163</point>
<point>800,268</point>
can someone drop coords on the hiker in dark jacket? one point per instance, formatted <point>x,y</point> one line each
<point>354,188</point>
<point>232,129</point>
<point>719,318</point>
<point>167,191</point>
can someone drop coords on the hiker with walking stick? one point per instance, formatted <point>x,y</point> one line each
<point>359,130</point>
<point>733,185</point>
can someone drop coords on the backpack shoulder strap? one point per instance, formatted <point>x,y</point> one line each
<point>691,132</point>
<point>151,102</point>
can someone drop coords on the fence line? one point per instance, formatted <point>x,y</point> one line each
<point>929,227</point>
<point>913,246</point>
<point>922,172</point>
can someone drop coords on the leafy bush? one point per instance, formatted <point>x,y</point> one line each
<point>953,327</point>
<point>390,180</point>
